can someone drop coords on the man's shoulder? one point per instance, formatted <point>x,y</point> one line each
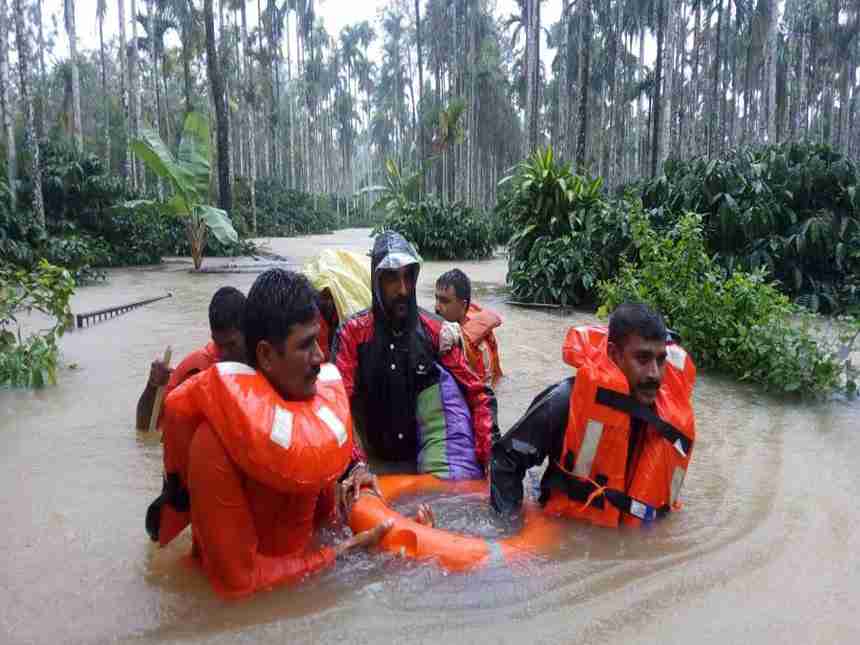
<point>431,321</point>
<point>358,328</point>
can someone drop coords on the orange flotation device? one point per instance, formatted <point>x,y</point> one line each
<point>594,480</point>
<point>290,446</point>
<point>453,551</point>
<point>478,332</point>
<point>197,361</point>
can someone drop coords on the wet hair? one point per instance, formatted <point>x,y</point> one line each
<point>226,309</point>
<point>635,318</point>
<point>459,281</point>
<point>278,299</point>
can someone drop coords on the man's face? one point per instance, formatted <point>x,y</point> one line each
<point>449,306</point>
<point>643,363</point>
<point>231,344</point>
<point>397,286</point>
<point>293,367</point>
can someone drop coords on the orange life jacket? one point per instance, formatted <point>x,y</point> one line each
<point>197,361</point>
<point>292,447</point>
<point>593,479</point>
<point>477,331</point>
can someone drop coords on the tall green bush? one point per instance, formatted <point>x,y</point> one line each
<point>567,236</point>
<point>730,320</point>
<point>793,209</point>
<point>442,231</point>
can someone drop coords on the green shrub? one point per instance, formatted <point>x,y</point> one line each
<point>734,321</point>
<point>32,361</point>
<point>441,231</point>
<point>792,208</point>
<point>283,212</point>
<point>567,236</point>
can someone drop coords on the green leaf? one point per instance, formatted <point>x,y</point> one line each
<point>218,222</point>
<point>194,154</point>
<point>152,151</point>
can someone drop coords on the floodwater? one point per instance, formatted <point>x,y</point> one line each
<point>766,550</point>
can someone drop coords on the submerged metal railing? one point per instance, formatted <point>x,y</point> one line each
<point>89,318</point>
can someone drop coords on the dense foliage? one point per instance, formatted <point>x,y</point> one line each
<point>792,209</point>
<point>568,236</point>
<point>442,231</point>
<point>31,360</point>
<point>282,212</point>
<point>731,320</point>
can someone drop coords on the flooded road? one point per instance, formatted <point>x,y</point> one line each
<point>766,550</point>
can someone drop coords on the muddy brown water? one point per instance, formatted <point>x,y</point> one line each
<point>767,549</point>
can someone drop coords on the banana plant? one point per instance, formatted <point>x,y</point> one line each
<point>188,175</point>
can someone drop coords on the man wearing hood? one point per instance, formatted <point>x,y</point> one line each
<point>390,355</point>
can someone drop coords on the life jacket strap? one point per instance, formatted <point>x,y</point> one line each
<point>627,404</point>
<point>580,490</point>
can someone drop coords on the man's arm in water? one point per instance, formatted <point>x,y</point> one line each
<point>539,433</point>
<point>159,375</point>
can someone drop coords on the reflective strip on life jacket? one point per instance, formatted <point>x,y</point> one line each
<point>593,434</point>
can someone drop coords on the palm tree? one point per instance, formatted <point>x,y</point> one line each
<point>585,85</point>
<point>77,132</point>
<point>135,90</point>
<point>532,74</point>
<point>127,166</point>
<point>101,9</point>
<point>31,143</point>
<point>225,194</point>
<point>248,104</point>
<point>6,108</point>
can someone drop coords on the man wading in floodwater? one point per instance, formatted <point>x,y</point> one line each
<point>253,453</point>
<point>618,435</point>
<point>414,405</point>
<point>227,344</point>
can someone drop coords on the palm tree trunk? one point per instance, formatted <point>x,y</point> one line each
<point>77,132</point>
<point>128,159</point>
<point>563,83</point>
<point>770,71</point>
<point>584,84</point>
<point>421,136</point>
<point>532,77</point>
<point>225,195</point>
<point>657,120</point>
<point>42,93</point>
<point>641,118</point>
<point>31,144</point>
<point>291,121</point>
<point>248,107</point>
<point>105,94</point>
<point>136,97</point>
<point>187,86</point>
<point>668,80</point>
<point>713,139</point>
<point>6,104</point>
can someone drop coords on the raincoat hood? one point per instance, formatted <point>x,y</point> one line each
<point>392,251</point>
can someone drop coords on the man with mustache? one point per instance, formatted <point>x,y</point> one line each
<point>390,360</point>
<point>257,455</point>
<point>618,435</point>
